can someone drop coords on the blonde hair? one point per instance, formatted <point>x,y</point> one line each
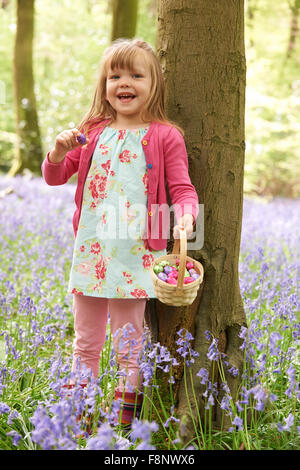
<point>121,54</point>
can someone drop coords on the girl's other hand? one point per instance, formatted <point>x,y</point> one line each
<point>186,222</point>
<point>64,142</point>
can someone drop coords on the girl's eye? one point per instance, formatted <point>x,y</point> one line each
<point>137,75</point>
<point>114,76</point>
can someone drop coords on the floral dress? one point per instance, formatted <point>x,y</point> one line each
<point>110,257</point>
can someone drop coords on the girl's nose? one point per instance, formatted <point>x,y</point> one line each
<point>125,81</point>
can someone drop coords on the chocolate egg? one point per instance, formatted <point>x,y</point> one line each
<point>164,263</point>
<point>188,280</point>
<point>168,269</point>
<point>162,276</point>
<point>192,271</point>
<point>157,269</point>
<point>173,274</point>
<point>171,280</point>
<point>81,139</point>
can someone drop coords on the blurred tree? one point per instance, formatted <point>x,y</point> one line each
<point>201,49</point>
<point>294,28</point>
<point>124,18</point>
<point>251,8</point>
<point>29,149</point>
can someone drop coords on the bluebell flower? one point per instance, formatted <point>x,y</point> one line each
<point>225,403</point>
<point>203,374</point>
<point>14,414</point>
<point>238,422</point>
<point>213,353</point>
<point>143,430</point>
<point>260,395</point>
<point>210,401</point>
<point>233,371</point>
<point>104,440</point>
<point>121,443</point>
<point>15,437</point>
<point>185,349</point>
<point>4,408</point>
<point>243,332</point>
<point>171,418</point>
<point>264,267</point>
<point>207,335</point>
<point>56,432</point>
<point>289,422</point>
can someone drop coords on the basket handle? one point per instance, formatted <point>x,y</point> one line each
<point>179,247</point>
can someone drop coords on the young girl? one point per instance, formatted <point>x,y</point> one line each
<point>131,153</point>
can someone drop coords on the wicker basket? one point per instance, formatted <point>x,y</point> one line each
<point>180,294</point>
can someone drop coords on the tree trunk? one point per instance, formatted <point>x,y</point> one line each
<point>201,49</point>
<point>29,152</point>
<point>124,19</point>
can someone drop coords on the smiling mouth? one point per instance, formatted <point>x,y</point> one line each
<point>124,98</point>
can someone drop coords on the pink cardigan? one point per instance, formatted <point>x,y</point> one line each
<point>167,163</point>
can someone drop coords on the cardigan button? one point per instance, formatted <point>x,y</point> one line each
<point>149,165</point>
<point>150,214</point>
<point>144,142</point>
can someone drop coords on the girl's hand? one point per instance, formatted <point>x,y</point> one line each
<point>64,142</point>
<point>186,221</point>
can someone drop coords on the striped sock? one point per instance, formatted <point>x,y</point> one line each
<point>131,404</point>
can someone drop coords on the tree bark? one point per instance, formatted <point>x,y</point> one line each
<point>124,19</point>
<point>201,49</point>
<point>29,152</point>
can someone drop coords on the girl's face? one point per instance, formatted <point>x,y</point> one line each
<point>128,90</point>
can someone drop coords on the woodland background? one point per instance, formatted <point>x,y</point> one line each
<point>242,382</point>
<point>70,36</point>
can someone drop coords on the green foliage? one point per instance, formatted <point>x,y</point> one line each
<point>272,102</point>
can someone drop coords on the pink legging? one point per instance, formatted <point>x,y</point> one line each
<point>90,320</point>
